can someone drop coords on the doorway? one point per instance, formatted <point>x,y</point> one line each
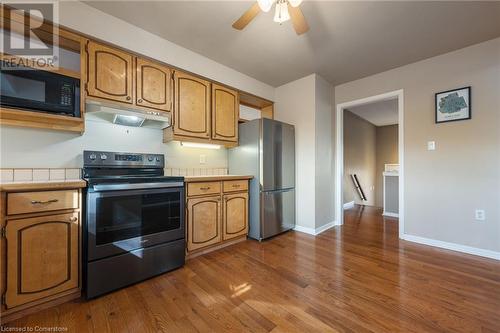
<point>339,158</point>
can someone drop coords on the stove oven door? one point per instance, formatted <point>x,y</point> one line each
<point>120,221</point>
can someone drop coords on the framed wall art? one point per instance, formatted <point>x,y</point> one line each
<point>453,105</point>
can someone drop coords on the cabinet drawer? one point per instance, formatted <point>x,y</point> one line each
<point>235,185</point>
<point>203,188</point>
<point>32,202</point>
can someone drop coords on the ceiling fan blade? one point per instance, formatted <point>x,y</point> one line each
<point>247,17</point>
<point>298,20</point>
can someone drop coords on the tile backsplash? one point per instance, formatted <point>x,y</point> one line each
<point>195,171</point>
<point>38,175</point>
<point>55,174</point>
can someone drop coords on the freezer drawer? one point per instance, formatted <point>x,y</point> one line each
<point>278,212</point>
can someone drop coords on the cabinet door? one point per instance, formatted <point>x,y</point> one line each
<point>192,106</point>
<point>153,85</point>
<point>109,73</point>
<point>204,222</point>
<point>235,211</point>
<point>42,257</point>
<point>225,112</point>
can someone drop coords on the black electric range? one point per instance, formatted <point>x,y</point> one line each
<point>134,220</point>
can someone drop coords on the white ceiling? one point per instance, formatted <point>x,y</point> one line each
<point>381,113</point>
<point>346,41</point>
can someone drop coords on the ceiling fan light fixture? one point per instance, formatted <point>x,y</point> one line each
<point>295,3</point>
<point>265,5</point>
<point>281,14</point>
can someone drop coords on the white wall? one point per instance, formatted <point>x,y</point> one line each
<point>445,186</point>
<point>249,113</point>
<point>324,153</point>
<point>295,104</point>
<point>307,104</point>
<point>35,148</point>
<point>88,20</point>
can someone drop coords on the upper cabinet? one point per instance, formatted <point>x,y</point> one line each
<point>204,112</point>
<point>192,107</point>
<point>109,73</point>
<point>225,111</point>
<point>153,85</point>
<point>117,76</point>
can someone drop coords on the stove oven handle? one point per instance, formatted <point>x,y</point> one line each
<point>138,186</point>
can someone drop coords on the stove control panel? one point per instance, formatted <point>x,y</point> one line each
<point>122,160</point>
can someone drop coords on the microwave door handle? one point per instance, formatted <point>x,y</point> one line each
<point>138,186</point>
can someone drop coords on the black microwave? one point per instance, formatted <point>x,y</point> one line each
<point>40,91</point>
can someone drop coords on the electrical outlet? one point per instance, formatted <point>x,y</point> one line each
<point>480,215</point>
<point>372,188</point>
<point>203,159</point>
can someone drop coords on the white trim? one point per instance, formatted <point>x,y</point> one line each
<point>339,156</point>
<point>389,214</point>
<point>305,230</point>
<point>316,231</point>
<point>452,246</point>
<point>349,205</point>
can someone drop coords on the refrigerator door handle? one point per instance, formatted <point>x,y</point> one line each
<point>278,190</point>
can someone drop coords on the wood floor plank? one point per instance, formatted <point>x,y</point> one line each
<point>356,278</point>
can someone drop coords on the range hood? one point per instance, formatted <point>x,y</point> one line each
<point>119,115</point>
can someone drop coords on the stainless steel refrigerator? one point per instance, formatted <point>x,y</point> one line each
<point>267,151</point>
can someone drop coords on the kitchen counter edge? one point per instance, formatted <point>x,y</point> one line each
<point>42,186</point>
<point>189,179</point>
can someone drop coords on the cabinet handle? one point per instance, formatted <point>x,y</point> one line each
<point>128,98</point>
<point>236,185</point>
<point>73,219</point>
<point>139,100</point>
<point>205,188</point>
<point>38,202</point>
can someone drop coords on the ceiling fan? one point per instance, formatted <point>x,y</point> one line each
<point>284,11</point>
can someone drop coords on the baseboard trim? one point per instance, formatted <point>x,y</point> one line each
<point>316,231</point>
<point>349,205</point>
<point>453,246</point>
<point>390,214</point>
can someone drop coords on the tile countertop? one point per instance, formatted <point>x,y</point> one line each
<point>215,178</point>
<point>42,185</point>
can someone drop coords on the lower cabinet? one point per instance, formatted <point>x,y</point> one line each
<point>221,216</point>
<point>203,222</point>
<point>43,257</point>
<point>40,250</point>
<point>235,216</point>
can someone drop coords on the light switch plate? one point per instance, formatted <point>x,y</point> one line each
<point>203,159</point>
<point>480,215</point>
<point>431,145</point>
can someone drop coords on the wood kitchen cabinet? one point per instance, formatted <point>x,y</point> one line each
<point>109,73</point>
<point>192,107</point>
<point>120,77</point>
<point>225,113</point>
<point>153,85</point>
<point>40,246</point>
<point>235,216</point>
<point>203,221</point>
<point>204,112</point>
<point>216,212</point>
<point>42,257</point>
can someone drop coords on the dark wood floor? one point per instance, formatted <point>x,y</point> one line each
<point>357,278</point>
